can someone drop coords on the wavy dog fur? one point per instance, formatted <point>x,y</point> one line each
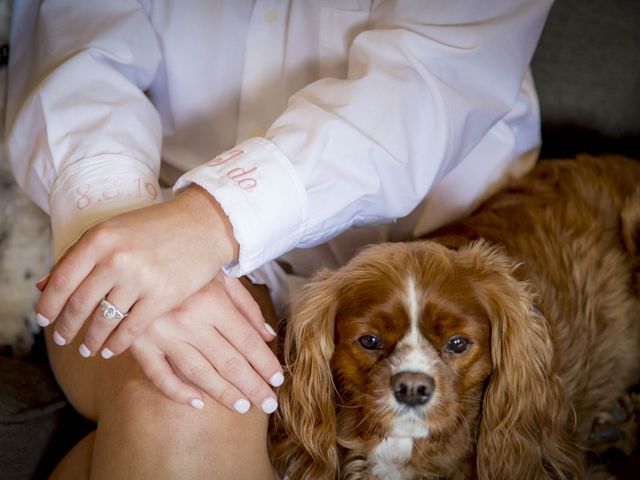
<point>542,281</point>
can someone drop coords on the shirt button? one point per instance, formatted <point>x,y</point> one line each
<point>270,16</point>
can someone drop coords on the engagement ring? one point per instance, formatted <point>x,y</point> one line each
<point>110,311</point>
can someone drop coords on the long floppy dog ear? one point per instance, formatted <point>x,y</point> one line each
<point>304,443</point>
<point>526,424</point>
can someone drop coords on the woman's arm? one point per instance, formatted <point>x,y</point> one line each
<point>84,142</point>
<point>425,82</point>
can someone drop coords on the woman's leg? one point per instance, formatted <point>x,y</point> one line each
<point>142,434</point>
<point>77,463</point>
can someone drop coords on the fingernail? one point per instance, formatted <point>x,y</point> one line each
<point>84,351</point>
<point>242,405</point>
<point>106,353</point>
<point>42,320</point>
<point>58,339</point>
<point>40,284</point>
<point>197,403</point>
<point>269,405</point>
<point>277,379</point>
<point>269,329</point>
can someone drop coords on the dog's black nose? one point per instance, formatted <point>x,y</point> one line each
<point>412,388</point>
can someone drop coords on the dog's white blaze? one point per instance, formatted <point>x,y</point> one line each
<point>414,354</point>
<point>413,337</point>
<point>387,460</point>
<point>416,358</point>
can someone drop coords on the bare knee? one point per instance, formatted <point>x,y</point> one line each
<point>154,437</point>
<point>137,400</point>
<point>143,434</point>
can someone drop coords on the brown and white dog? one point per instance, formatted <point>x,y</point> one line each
<point>487,351</point>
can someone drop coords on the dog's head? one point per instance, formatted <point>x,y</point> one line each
<point>417,360</point>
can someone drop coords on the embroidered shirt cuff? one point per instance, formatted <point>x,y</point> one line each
<point>259,190</point>
<point>94,189</point>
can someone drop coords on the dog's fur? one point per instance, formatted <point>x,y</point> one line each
<point>543,281</point>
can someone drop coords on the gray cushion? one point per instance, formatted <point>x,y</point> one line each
<point>37,425</point>
<point>587,73</point>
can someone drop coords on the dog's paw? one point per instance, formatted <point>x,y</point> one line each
<point>616,428</point>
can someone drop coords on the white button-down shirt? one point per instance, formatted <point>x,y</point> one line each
<point>302,117</point>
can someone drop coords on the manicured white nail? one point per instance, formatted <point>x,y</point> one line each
<point>42,320</point>
<point>197,403</point>
<point>106,353</point>
<point>242,406</point>
<point>269,329</point>
<point>84,351</point>
<point>58,339</point>
<point>269,405</point>
<point>277,379</point>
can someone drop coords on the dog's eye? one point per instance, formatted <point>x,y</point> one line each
<point>456,344</point>
<point>370,342</point>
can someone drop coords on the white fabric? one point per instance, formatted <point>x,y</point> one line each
<point>366,110</point>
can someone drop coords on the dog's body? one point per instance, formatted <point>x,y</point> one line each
<point>487,351</point>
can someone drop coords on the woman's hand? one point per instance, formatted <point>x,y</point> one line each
<point>213,343</point>
<point>145,262</point>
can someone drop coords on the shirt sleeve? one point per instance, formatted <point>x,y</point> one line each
<point>425,83</point>
<point>83,140</point>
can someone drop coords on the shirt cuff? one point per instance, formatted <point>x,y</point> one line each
<point>259,190</point>
<point>94,189</point>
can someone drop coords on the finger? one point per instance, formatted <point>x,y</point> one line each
<point>65,279</point>
<point>234,367</point>
<point>42,282</point>
<point>106,320</point>
<point>140,316</point>
<point>158,370</point>
<point>80,305</point>
<point>251,346</point>
<point>200,372</point>
<point>248,307</point>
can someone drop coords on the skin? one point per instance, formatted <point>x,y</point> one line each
<point>143,434</point>
<point>157,262</point>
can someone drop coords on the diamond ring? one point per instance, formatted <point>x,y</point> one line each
<point>110,311</point>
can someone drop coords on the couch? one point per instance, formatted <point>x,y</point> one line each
<point>587,71</point>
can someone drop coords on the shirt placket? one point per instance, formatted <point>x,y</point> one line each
<point>262,96</point>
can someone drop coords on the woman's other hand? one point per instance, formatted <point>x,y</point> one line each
<point>214,343</point>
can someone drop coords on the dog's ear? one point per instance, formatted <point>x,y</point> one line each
<point>526,417</point>
<point>630,231</point>
<point>305,424</point>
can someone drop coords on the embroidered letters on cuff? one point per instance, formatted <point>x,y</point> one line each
<point>238,175</point>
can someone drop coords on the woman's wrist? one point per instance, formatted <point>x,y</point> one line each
<point>207,212</point>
